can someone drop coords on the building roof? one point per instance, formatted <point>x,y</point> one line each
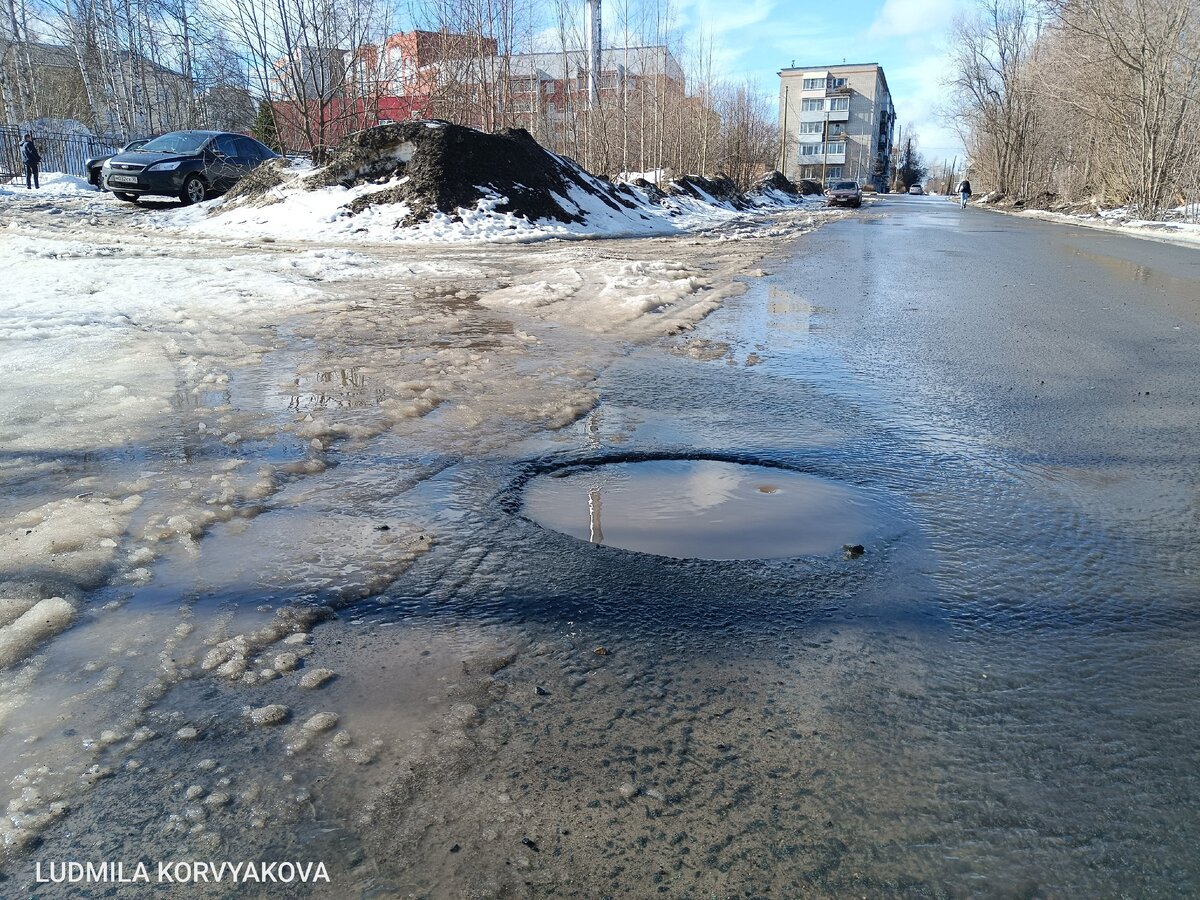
<point>829,68</point>
<point>57,56</point>
<point>877,66</point>
<point>559,65</point>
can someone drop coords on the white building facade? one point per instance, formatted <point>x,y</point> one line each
<point>836,122</point>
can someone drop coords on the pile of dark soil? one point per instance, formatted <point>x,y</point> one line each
<point>719,187</point>
<point>445,167</point>
<point>261,181</point>
<point>776,181</point>
<point>438,167</point>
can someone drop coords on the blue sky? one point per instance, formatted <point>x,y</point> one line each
<point>909,38</point>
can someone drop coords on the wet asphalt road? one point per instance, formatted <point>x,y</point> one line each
<point>1006,701</point>
<point>998,699</point>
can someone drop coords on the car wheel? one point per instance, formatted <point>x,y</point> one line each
<point>856,204</point>
<point>128,198</point>
<point>194,190</point>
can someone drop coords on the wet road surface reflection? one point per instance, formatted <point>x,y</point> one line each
<point>705,509</point>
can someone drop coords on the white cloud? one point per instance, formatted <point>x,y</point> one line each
<point>919,92</point>
<point>719,17</point>
<point>901,18</point>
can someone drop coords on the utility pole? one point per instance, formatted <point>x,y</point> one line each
<point>783,134</point>
<point>825,145</point>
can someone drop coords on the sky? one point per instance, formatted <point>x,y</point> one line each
<point>909,38</point>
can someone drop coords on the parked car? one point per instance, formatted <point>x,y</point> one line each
<point>189,165</point>
<point>96,163</point>
<point>916,189</point>
<point>844,193</point>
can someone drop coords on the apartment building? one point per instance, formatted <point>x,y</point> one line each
<point>836,122</point>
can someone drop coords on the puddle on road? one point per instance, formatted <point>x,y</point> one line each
<point>702,509</point>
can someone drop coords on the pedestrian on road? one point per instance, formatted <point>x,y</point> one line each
<point>964,192</point>
<point>31,157</point>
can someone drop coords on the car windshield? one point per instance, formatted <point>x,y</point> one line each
<point>178,142</point>
<point>846,186</point>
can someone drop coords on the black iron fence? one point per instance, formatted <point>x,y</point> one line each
<point>61,151</point>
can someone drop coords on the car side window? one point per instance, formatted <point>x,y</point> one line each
<point>248,150</point>
<point>225,145</point>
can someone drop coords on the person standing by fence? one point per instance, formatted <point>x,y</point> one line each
<point>31,157</point>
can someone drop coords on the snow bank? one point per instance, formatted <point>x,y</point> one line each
<point>436,182</point>
<point>54,184</point>
<point>41,621</point>
<point>1122,222</point>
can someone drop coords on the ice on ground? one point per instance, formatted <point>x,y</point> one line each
<point>315,678</point>
<point>265,716</point>
<point>66,544</point>
<point>40,622</point>
<point>639,298</point>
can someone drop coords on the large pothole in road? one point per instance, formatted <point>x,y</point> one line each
<point>702,509</point>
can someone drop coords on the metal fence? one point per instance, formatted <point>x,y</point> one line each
<point>61,151</point>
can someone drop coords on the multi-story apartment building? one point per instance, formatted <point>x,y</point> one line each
<point>836,122</point>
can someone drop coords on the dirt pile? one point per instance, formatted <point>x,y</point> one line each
<point>436,167</point>
<point>719,188</point>
<point>431,168</point>
<point>776,181</point>
<point>259,183</point>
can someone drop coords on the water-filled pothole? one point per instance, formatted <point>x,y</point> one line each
<point>702,509</point>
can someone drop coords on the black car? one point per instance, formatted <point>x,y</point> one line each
<point>190,165</point>
<point>96,163</point>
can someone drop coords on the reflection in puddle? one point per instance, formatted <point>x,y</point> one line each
<point>702,509</point>
<point>1182,289</point>
<point>789,311</point>
<point>343,388</point>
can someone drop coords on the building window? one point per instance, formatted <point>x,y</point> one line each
<point>811,127</point>
<point>837,82</point>
<point>812,149</point>
<point>814,84</point>
<point>811,105</point>
<point>839,147</point>
<point>833,172</point>
<point>839,103</point>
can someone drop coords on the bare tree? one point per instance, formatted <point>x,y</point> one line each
<point>993,103</point>
<point>1153,93</point>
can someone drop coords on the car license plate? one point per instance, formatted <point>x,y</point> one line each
<point>124,179</point>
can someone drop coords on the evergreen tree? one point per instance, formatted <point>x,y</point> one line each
<point>264,127</point>
<point>911,167</point>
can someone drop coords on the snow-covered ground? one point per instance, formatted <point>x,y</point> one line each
<point>322,215</point>
<point>1183,226</point>
<point>191,424</point>
<point>1120,221</point>
<point>53,184</point>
